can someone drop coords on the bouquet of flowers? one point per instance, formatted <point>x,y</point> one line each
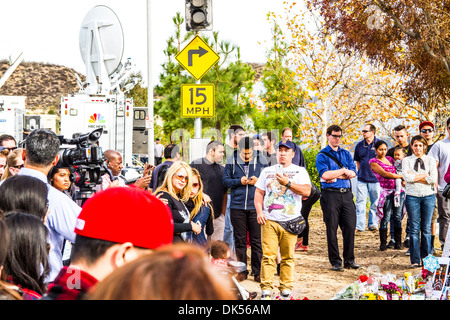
<point>391,288</point>
<point>371,296</point>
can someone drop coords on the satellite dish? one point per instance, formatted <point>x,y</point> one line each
<point>101,45</point>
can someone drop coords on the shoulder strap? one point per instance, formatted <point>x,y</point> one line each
<point>332,158</point>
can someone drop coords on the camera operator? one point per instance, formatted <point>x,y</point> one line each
<point>114,165</point>
<point>40,155</point>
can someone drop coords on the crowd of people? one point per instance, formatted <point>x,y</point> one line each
<point>173,232</point>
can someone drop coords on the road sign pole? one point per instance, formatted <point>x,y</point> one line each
<point>198,121</point>
<point>151,135</point>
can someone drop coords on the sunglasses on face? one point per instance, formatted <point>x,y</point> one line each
<point>365,131</point>
<point>182,178</point>
<point>11,148</point>
<point>426,130</point>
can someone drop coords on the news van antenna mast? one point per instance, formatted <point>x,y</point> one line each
<point>101,46</point>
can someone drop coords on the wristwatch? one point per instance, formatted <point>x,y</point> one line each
<point>288,185</point>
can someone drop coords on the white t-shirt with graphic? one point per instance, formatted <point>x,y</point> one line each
<point>280,203</point>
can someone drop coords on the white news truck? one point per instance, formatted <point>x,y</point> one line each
<point>83,113</point>
<point>12,111</point>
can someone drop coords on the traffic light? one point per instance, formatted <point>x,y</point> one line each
<point>198,15</point>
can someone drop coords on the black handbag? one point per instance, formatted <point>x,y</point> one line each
<point>294,226</point>
<point>446,191</point>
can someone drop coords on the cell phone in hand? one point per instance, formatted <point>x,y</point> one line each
<point>279,168</point>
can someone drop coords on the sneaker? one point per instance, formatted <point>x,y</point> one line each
<point>266,295</point>
<point>301,248</point>
<point>285,295</point>
<point>391,244</point>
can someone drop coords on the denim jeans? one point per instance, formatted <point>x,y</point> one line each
<point>420,212</point>
<point>228,236</point>
<point>364,190</point>
<point>391,213</point>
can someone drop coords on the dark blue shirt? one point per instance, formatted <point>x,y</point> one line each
<point>325,163</point>
<point>363,153</point>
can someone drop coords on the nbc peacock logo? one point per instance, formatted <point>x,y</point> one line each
<point>96,118</point>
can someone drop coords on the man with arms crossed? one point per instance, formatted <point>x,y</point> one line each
<point>337,199</point>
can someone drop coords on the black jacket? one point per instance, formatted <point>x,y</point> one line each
<point>242,196</point>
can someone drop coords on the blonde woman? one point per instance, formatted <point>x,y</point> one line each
<point>200,213</point>
<point>175,190</point>
<point>14,163</point>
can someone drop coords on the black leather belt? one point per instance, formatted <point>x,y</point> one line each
<point>340,190</point>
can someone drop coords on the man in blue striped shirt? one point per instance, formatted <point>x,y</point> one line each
<point>337,198</point>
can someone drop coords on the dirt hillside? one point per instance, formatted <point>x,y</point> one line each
<point>43,84</point>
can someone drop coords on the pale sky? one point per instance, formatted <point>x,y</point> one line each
<point>48,30</point>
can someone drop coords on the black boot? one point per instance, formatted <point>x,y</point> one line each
<point>383,239</point>
<point>398,238</point>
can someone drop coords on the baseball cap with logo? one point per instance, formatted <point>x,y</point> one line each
<point>126,214</point>
<point>286,143</point>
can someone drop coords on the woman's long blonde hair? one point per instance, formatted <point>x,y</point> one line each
<point>198,198</point>
<point>167,185</point>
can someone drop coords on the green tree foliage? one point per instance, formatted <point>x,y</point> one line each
<point>232,79</point>
<point>310,155</point>
<point>282,94</point>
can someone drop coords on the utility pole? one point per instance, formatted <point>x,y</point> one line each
<point>151,126</point>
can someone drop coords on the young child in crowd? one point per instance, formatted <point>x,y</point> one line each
<point>399,154</point>
<point>220,254</point>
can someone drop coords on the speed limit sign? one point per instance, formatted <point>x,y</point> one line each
<point>197,100</point>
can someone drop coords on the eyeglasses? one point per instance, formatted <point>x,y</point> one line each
<point>195,185</point>
<point>336,136</point>
<point>181,177</point>
<point>426,130</point>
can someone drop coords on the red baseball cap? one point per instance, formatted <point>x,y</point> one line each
<point>126,214</point>
<point>426,123</point>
